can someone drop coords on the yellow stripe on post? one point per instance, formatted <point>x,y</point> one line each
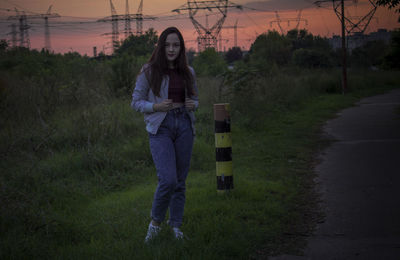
<point>223,147</point>
<point>223,140</point>
<point>224,168</point>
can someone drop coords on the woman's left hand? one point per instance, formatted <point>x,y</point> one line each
<point>189,104</point>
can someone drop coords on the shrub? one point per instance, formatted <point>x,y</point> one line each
<point>209,63</point>
<point>310,59</point>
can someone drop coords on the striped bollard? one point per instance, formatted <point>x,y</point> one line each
<point>223,147</point>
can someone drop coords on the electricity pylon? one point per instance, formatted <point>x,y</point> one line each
<point>353,24</point>
<point>13,34</point>
<point>127,20</point>
<point>207,35</point>
<point>348,26</point>
<point>114,18</point>
<point>279,20</point>
<point>139,19</point>
<point>234,32</point>
<point>24,27</point>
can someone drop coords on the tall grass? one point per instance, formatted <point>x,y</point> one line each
<point>77,177</point>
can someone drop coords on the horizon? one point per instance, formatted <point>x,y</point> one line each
<point>78,30</point>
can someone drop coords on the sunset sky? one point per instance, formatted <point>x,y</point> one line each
<point>78,30</point>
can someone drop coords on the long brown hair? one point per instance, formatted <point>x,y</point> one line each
<point>158,64</point>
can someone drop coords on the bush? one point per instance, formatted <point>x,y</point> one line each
<point>310,59</point>
<point>209,63</point>
<point>137,46</point>
<point>233,55</point>
<point>270,48</point>
<point>370,54</point>
<point>124,71</point>
<point>391,60</point>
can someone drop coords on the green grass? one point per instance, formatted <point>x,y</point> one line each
<point>87,192</point>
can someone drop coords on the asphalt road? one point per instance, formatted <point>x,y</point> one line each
<point>359,181</point>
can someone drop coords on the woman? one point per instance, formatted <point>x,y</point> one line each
<point>166,93</point>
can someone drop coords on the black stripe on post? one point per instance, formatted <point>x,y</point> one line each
<point>222,126</point>
<point>224,182</point>
<point>223,154</point>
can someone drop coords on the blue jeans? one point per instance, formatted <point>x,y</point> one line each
<point>171,148</point>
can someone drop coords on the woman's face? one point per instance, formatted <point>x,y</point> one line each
<point>172,47</point>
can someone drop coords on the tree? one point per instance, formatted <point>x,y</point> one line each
<point>233,54</point>
<point>390,4</point>
<point>391,60</point>
<point>209,63</point>
<point>142,45</point>
<point>370,54</point>
<point>304,39</point>
<point>269,49</point>
<point>124,71</point>
<point>3,45</point>
<point>308,58</point>
<point>130,56</point>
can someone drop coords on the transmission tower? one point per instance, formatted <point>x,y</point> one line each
<point>280,20</point>
<point>234,32</point>
<point>127,20</point>
<point>24,27</point>
<point>353,24</point>
<point>139,19</point>
<point>114,18</point>
<point>207,36</point>
<point>350,26</point>
<point>46,16</point>
<point>114,23</point>
<point>13,34</point>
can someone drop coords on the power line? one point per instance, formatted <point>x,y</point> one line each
<point>251,19</point>
<point>279,20</point>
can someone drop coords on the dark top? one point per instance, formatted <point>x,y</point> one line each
<point>176,89</point>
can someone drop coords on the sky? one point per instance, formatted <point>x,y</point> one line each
<point>78,28</point>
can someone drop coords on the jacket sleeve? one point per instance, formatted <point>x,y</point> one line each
<point>196,97</point>
<point>140,100</point>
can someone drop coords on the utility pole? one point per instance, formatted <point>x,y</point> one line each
<point>207,35</point>
<point>235,33</point>
<point>279,20</point>
<point>340,14</point>
<point>344,52</point>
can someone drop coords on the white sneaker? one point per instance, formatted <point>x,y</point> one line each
<point>152,232</point>
<point>178,233</point>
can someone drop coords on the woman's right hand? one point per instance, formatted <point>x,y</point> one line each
<point>164,106</point>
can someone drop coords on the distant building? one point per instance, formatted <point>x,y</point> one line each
<point>359,39</point>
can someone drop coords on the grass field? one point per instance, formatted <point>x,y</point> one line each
<point>80,185</point>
